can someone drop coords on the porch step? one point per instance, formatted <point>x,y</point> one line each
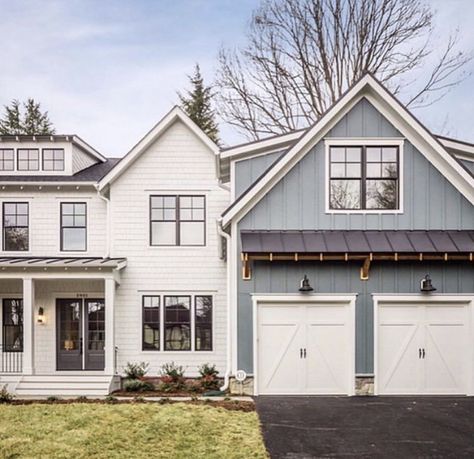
<point>64,385</point>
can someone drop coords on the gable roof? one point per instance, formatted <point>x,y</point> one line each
<point>175,114</point>
<point>370,88</point>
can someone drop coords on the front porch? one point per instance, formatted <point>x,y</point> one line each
<point>57,326</point>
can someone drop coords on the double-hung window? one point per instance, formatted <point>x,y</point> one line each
<point>73,226</point>
<point>364,178</point>
<point>12,325</point>
<point>7,159</point>
<point>28,159</point>
<point>177,220</point>
<point>53,159</point>
<point>184,323</point>
<point>15,226</point>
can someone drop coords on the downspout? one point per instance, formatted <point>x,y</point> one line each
<point>107,203</point>
<point>222,233</point>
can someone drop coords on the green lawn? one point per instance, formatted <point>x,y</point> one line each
<point>128,430</point>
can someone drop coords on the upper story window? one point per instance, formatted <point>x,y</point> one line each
<point>15,226</point>
<point>73,226</point>
<point>177,220</point>
<point>364,178</point>
<point>7,159</point>
<point>28,159</point>
<point>53,159</point>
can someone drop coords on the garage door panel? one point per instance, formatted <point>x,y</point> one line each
<point>398,357</point>
<point>445,351</point>
<point>327,359</point>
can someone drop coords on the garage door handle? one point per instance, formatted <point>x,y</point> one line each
<point>423,353</point>
<point>304,352</point>
<point>301,353</point>
<point>419,353</point>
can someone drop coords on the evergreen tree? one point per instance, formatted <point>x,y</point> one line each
<point>197,103</point>
<point>32,122</point>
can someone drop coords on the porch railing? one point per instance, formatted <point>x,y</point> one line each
<point>10,362</point>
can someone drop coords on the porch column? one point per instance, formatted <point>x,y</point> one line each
<point>109,326</point>
<point>28,325</point>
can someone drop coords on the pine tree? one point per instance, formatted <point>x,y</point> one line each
<point>32,122</point>
<point>197,103</point>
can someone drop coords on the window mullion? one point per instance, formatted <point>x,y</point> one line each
<point>178,219</point>
<point>363,187</point>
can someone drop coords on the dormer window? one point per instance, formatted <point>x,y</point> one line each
<point>53,159</point>
<point>364,177</point>
<point>28,159</point>
<point>7,159</point>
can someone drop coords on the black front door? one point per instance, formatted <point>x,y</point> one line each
<point>80,334</point>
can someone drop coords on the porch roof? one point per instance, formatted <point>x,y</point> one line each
<point>62,262</point>
<point>353,241</point>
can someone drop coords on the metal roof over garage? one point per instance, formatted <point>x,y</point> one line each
<point>353,241</point>
<point>62,262</point>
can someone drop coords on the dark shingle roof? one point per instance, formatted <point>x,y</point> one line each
<point>91,174</point>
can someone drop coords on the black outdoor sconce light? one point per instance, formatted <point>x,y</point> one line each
<point>426,285</point>
<point>305,286</point>
<point>41,318</point>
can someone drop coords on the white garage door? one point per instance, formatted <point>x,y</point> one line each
<point>423,347</point>
<point>305,348</point>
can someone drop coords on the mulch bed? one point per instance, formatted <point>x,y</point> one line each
<point>231,405</point>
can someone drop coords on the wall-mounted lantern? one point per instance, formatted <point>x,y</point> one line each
<point>305,286</point>
<point>426,285</point>
<point>41,317</point>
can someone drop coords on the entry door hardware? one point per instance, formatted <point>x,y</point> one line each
<point>421,353</point>
<point>302,353</point>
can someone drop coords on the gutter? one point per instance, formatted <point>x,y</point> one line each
<point>107,202</point>
<point>225,386</point>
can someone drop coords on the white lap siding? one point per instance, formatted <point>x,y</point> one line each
<point>177,163</point>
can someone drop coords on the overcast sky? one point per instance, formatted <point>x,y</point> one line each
<point>108,70</point>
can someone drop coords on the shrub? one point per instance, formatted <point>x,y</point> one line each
<point>81,399</point>
<point>172,377</point>
<point>52,398</point>
<point>136,370</point>
<point>208,377</point>
<point>5,396</point>
<point>137,385</point>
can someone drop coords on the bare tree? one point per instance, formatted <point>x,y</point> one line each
<point>302,55</point>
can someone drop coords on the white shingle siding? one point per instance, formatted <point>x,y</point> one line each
<point>81,160</point>
<point>178,162</point>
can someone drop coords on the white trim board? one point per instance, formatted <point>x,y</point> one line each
<point>348,299</point>
<point>393,111</point>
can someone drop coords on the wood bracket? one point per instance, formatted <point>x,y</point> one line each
<point>364,270</point>
<point>246,270</point>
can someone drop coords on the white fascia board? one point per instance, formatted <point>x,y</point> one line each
<point>87,148</point>
<point>459,146</point>
<point>170,118</point>
<point>44,183</point>
<point>261,146</point>
<point>370,88</point>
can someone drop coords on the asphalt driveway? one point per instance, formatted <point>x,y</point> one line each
<point>307,427</point>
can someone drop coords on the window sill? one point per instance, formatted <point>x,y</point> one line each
<point>364,211</point>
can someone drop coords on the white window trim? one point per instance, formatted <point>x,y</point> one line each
<point>365,141</point>
<point>20,253</point>
<point>423,298</point>
<point>82,200</point>
<point>175,353</point>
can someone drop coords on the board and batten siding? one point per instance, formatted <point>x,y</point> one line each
<point>81,160</point>
<point>297,202</point>
<point>176,163</point>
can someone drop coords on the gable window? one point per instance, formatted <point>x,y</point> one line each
<point>12,325</point>
<point>177,220</point>
<point>15,226</point>
<point>53,159</point>
<point>28,159</point>
<point>151,323</point>
<point>73,226</point>
<point>184,323</point>
<point>364,177</point>
<point>7,159</point>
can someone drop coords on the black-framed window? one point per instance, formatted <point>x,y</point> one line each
<point>53,159</point>
<point>7,159</point>
<point>364,178</point>
<point>73,226</point>
<point>177,323</point>
<point>28,159</point>
<point>151,322</point>
<point>203,323</point>
<point>15,226</point>
<point>178,220</point>
<point>12,325</point>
